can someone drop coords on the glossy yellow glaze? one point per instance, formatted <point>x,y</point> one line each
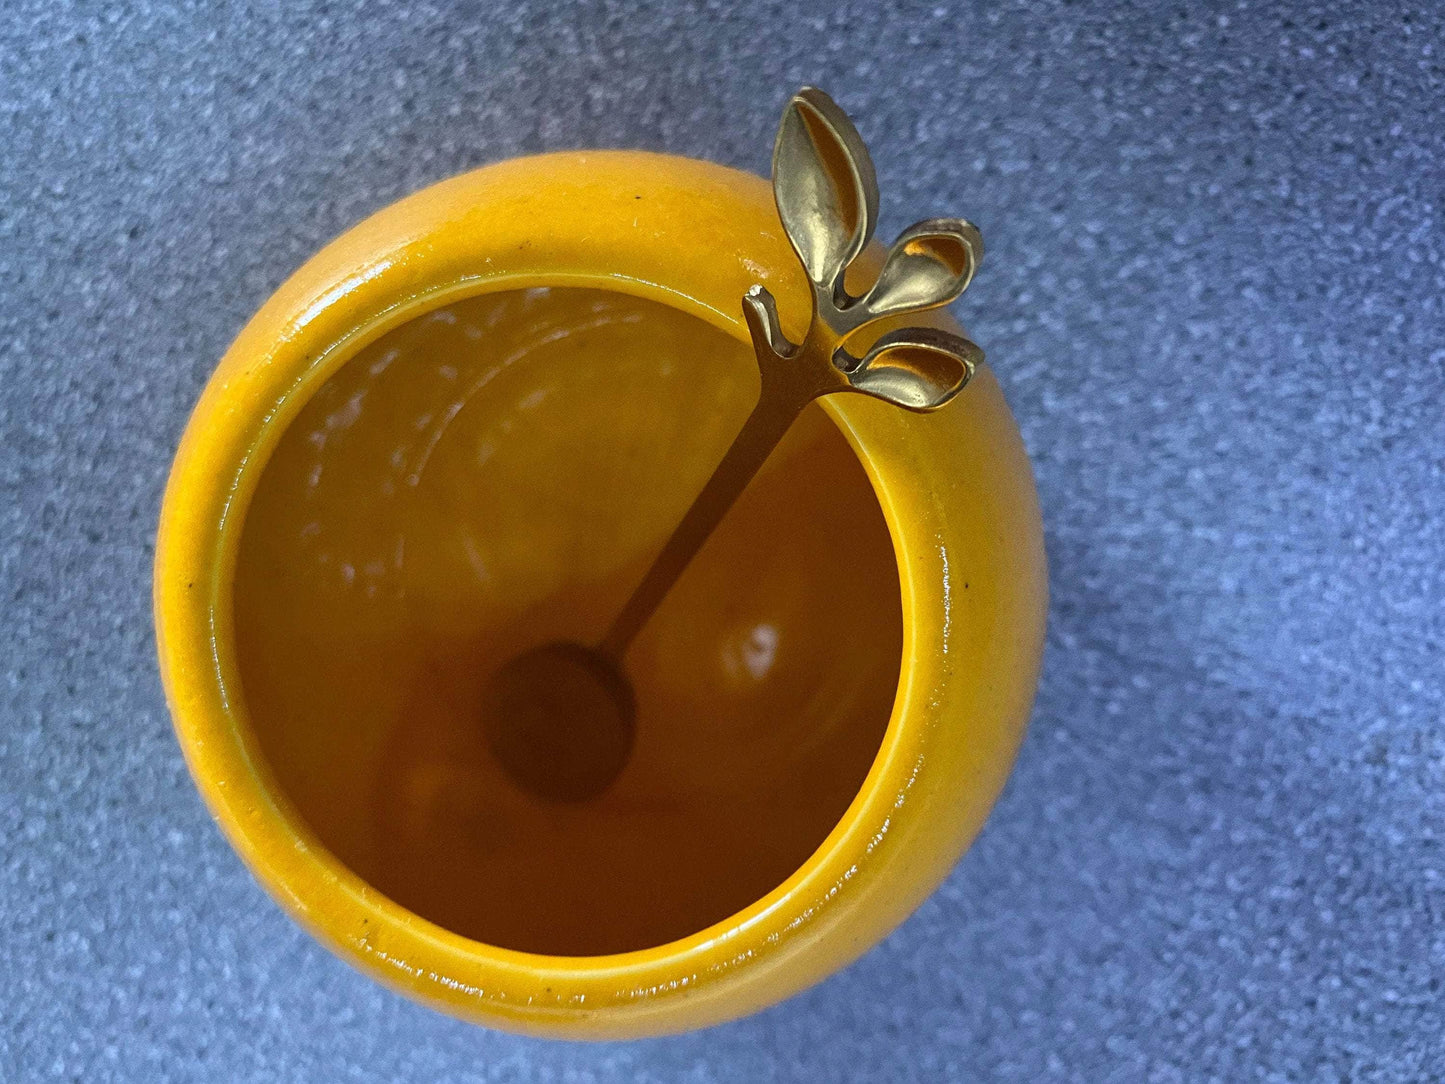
<point>408,466</point>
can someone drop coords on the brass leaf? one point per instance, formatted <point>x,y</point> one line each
<point>825,187</point>
<point>918,368</point>
<point>929,265</point>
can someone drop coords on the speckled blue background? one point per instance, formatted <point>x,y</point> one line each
<point>1214,298</point>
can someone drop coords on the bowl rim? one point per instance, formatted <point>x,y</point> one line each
<point>408,259</point>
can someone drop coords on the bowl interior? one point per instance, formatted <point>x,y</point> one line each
<point>496,474</point>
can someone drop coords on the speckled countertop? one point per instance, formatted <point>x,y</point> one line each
<point>1214,297</point>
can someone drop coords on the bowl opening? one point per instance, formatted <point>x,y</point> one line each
<point>495,474</point>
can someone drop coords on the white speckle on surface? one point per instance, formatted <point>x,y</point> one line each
<point>947,597</point>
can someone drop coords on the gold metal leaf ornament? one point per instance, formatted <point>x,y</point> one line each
<point>929,265</point>
<point>919,368</point>
<point>825,187</point>
<point>826,191</point>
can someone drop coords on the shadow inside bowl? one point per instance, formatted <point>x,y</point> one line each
<point>496,474</point>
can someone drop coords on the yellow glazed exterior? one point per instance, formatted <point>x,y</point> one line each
<point>955,488</point>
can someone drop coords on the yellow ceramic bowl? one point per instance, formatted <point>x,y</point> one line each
<point>463,428</point>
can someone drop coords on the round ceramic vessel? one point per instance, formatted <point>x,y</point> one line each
<point>954,488</point>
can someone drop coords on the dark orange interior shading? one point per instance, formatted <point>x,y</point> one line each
<point>494,475</point>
